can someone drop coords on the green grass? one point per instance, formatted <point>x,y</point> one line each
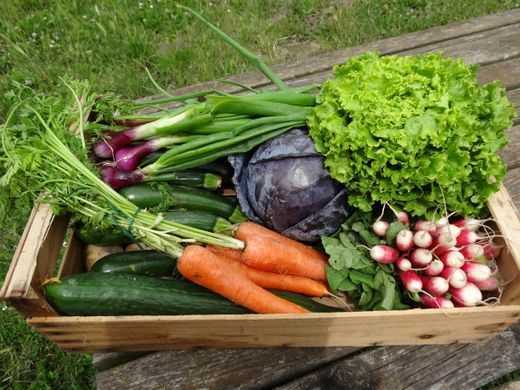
<point>109,42</point>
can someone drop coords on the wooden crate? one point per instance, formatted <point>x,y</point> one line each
<point>36,257</point>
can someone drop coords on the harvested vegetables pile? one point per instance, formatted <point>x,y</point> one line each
<point>377,123</point>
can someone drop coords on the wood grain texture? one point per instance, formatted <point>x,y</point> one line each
<point>449,367</point>
<point>218,369</point>
<point>325,61</point>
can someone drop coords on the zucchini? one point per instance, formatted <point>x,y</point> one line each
<point>96,293</point>
<point>166,196</point>
<point>102,237</point>
<point>198,219</point>
<point>148,262</point>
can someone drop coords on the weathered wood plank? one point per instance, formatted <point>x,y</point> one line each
<point>217,369</point>
<point>511,153</point>
<point>512,182</point>
<point>323,62</point>
<point>105,361</point>
<point>449,367</point>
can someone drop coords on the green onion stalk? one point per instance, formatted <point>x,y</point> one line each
<point>198,133</point>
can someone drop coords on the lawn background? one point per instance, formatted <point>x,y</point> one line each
<point>109,42</point>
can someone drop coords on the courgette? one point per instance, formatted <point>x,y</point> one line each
<point>147,262</point>
<point>164,197</point>
<point>96,293</point>
<point>102,237</point>
<point>198,219</point>
<point>206,180</point>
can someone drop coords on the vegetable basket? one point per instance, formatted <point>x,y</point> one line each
<point>49,248</point>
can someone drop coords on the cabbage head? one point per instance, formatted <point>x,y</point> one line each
<point>415,131</point>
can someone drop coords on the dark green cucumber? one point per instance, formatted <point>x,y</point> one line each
<point>96,293</point>
<point>305,302</point>
<point>165,197</point>
<point>148,262</point>
<point>198,219</point>
<point>96,236</point>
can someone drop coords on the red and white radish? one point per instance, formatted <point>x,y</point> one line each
<point>426,226</point>
<point>490,284</point>
<point>469,295</point>
<point>403,217</point>
<point>449,229</point>
<point>380,228</point>
<point>435,285</point>
<point>422,239</point>
<point>436,302</point>
<point>467,237</point>
<point>455,276</point>
<point>452,258</point>
<point>469,224</point>
<point>444,242</point>
<point>443,222</point>
<point>412,281</point>
<point>491,251</point>
<point>473,251</point>
<point>476,272</point>
<point>421,257</point>
<point>403,264</point>
<point>434,268</point>
<point>404,240</point>
<point>384,254</point>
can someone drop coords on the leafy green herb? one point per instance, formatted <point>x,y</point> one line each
<point>393,230</point>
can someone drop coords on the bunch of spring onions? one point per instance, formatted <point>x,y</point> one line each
<point>197,133</point>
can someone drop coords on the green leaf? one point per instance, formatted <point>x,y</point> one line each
<point>335,278</point>
<point>393,230</point>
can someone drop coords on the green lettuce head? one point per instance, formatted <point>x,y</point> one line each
<point>417,132</point>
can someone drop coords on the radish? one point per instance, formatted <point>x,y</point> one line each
<point>443,222</point>
<point>426,226</point>
<point>434,268</point>
<point>435,285</point>
<point>467,237</point>
<point>452,258</point>
<point>455,276</point>
<point>436,302</point>
<point>473,251</point>
<point>469,224</point>
<point>476,272</point>
<point>450,229</point>
<point>422,239</point>
<point>404,240</point>
<point>444,242</point>
<point>490,284</point>
<point>491,251</point>
<point>384,254</point>
<point>421,257</point>
<point>380,228</point>
<point>403,217</point>
<point>469,295</point>
<point>403,264</point>
<point>411,281</point>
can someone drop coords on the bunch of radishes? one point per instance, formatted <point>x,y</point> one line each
<point>443,264</point>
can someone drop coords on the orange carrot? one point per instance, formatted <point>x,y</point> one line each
<point>228,253</point>
<point>269,251</point>
<point>204,268</point>
<point>297,284</point>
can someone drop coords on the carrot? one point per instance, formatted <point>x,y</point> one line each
<point>269,251</point>
<point>228,253</point>
<point>297,284</point>
<point>204,268</point>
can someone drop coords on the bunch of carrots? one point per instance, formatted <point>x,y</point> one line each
<point>268,261</point>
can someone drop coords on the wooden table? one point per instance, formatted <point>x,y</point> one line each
<point>493,42</point>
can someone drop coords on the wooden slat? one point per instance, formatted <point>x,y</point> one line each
<point>324,62</point>
<point>222,369</point>
<point>427,367</point>
<point>73,258</point>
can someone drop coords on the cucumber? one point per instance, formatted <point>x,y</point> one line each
<point>148,262</point>
<point>305,302</point>
<point>198,219</point>
<point>166,196</point>
<point>96,293</point>
<point>209,181</point>
<point>102,237</point>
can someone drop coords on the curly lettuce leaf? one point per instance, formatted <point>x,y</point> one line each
<point>414,131</point>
